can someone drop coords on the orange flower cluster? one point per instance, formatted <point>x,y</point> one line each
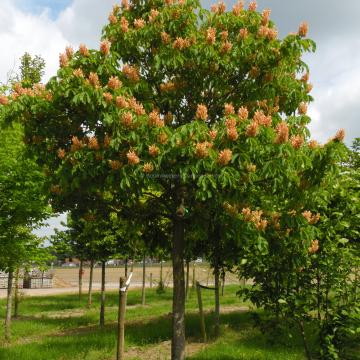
<point>121,102</point>
<point>251,168</point>
<point>133,159</point>
<point>76,144</point>
<point>243,113</point>
<point>125,4</point>
<point>181,43</point>
<point>61,153</point>
<point>314,247</point>
<point>153,15</point>
<point>219,8</point>
<point>162,138</point>
<point>224,157</point>
<point>124,24</point>
<point>127,119</point>
<point>255,217</point>
<point>114,83</point>
<point>83,50</point>
<point>224,35</point>
<point>302,108</point>
<point>78,73</point>
<point>282,133</point>
<point>243,34</point>
<point>313,144</point>
<point>229,109</point>
<point>226,46</point>
<point>69,52</point>
<point>213,134</point>
<point>115,164</point>
<point>262,119</point>
<point>63,60</point>
<point>297,141</point>
<point>265,16</point>
<point>139,23</point>
<point>93,143</point>
<point>202,149</point>
<point>340,135</point>
<point>4,100</point>
<point>231,129</point>
<point>267,32</point>
<point>107,141</point>
<point>230,123</point>
<point>112,18</point>
<point>201,112</point>
<point>311,218</point>
<point>153,150</point>
<point>136,107</point>
<point>167,87</point>
<point>94,79</point>
<point>154,119</point>
<point>131,72</point>
<point>105,47</point>
<point>309,87</point>
<point>303,29</point>
<point>211,35</point>
<point>253,6</point>
<point>168,117</point>
<point>252,129</point>
<point>108,97</point>
<point>148,168</point>
<point>165,37</point>
<point>238,7</point>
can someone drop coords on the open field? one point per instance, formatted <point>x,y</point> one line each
<point>61,328</point>
<point>66,279</point>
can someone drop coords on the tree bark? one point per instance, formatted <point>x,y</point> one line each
<point>303,335</point>
<point>223,283</point>
<point>102,300</point>
<point>143,283</point>
<point>126,267</point>
<point>8,306</point>
<point>121,321</point>
<point>193,279</point>
<point>89,302</point>
<point>217,299</point>
<point>187,279</point>
<point>178,313</point>
<point>16,297</point>
<point>80,278</point>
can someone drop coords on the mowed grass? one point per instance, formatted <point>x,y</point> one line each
<point>60,327</point>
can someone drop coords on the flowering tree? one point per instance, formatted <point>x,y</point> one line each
<point>183,104</point>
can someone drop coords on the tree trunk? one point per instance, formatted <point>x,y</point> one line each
<point>102,300</point>
<point>193,279</point>
<point>89,302</point>
<point>121,321</point>
<point>217,299</point>
<point>178,313</point>
<point>126,267</point>
<point>187,279</point>
<point>161,275</point>
<point>223,283</point>
<point>16,297</point>
<point>143,283</point>
<point>303,335</point>
<point>80,278</point>
<point>8,306</point>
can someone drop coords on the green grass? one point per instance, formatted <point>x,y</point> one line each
<point>37,335</point>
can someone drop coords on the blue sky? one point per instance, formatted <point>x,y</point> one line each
<point>38,6</point>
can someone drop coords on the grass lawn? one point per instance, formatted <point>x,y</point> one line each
<point>60,327</point>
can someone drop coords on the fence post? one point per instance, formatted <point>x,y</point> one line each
<point>121,320</point>
<point>201,312</point>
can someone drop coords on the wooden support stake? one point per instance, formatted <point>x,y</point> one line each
<point>121,320</point>
<point>201,312</point>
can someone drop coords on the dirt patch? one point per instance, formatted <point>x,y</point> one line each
<point>161,351</point>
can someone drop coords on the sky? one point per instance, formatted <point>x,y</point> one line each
<point>46,27</point>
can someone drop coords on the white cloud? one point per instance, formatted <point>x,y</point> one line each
<point>23,32</point>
